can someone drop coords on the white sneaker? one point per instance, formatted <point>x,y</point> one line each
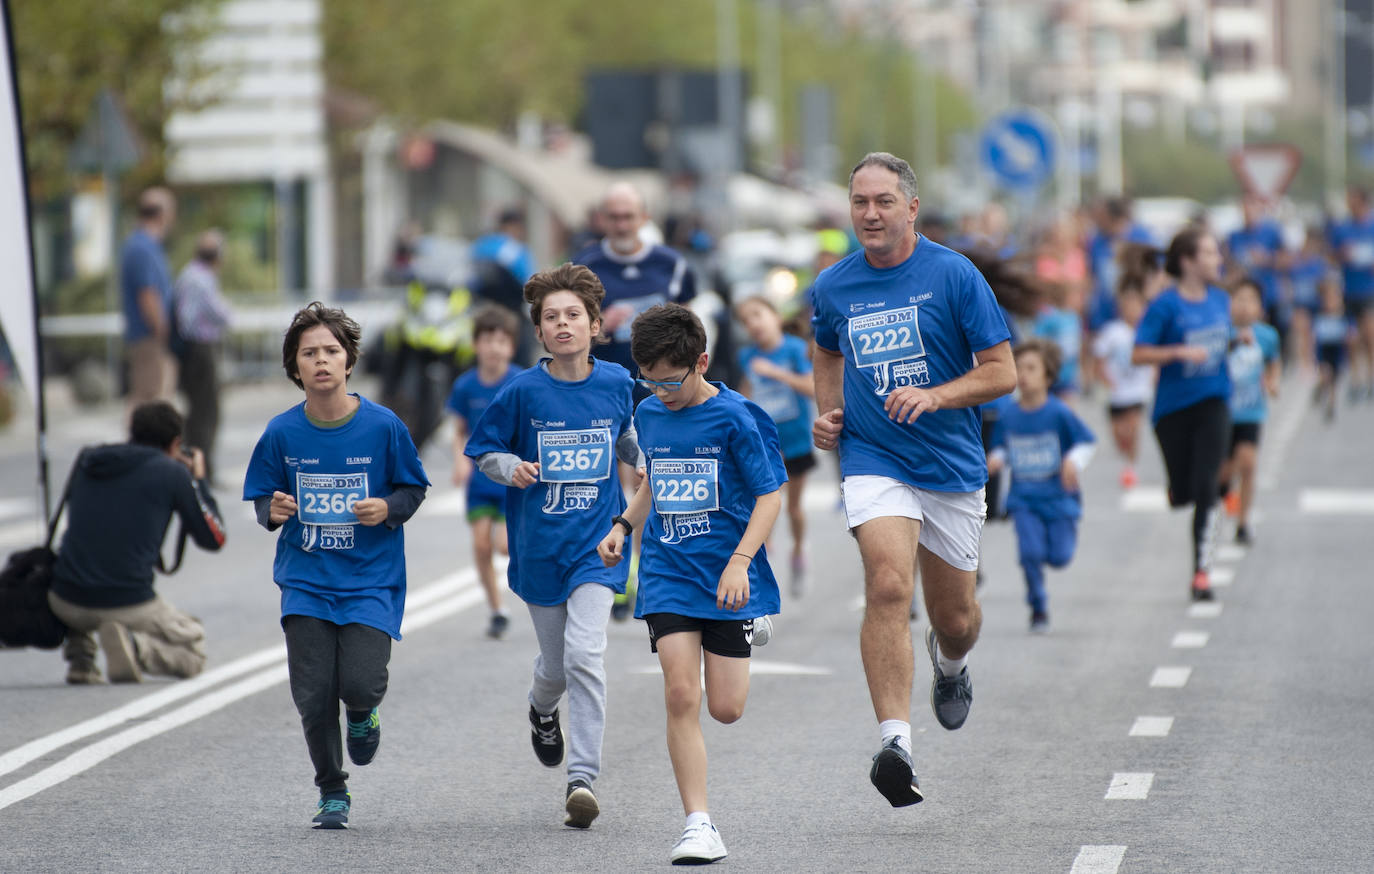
<point>763,631</point>
<point>699,845</point>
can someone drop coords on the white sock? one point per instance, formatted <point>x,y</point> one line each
<point>890,728</point>
<point>698,817</point>
<point>948,666</point>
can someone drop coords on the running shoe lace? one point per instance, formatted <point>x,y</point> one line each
<point>693,831</point>
<point>359,729</point>
<point>953,687</point>
<point>548,735</point>
<point>334,806</point>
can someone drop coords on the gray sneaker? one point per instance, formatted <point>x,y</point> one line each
<point>893,776</point>
<point>950,697</point>
<point>760,631</point>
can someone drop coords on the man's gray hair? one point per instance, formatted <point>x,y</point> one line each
<point>906,177</point>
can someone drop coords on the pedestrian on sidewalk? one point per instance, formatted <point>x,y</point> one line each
<point>202,316</point>
<point>145,284</point>
<point>122,498</point>
<point>339,475</point>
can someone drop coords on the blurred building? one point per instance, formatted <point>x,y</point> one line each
<point>263,125</point>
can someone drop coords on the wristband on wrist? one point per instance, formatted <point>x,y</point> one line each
<point>621,520</point>
<point>744,555</point>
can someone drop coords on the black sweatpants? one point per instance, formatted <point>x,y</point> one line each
<point>329,662</point>
<point>1194,441</point>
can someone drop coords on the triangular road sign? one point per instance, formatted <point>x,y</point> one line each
<point>1266,171</point>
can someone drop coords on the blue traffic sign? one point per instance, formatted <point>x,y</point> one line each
<point>1019,149</point>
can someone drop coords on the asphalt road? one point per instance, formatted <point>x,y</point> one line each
<point>1260,758</point>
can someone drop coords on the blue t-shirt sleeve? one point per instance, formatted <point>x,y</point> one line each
<point>456,397</point>
<point>266,473</point>
<point>999,434</point>
<point>495,429</point>
<point>406,469</point>
<point>823,328</point>
<point>1150,331</point>
<point>1073,429</point>
<point>757,458</point>
<point>979,314</point>
<point>801,362</point>
<point>141,268</point>
<point>1268,342</point>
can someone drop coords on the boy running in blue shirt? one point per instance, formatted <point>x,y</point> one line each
<point>554,433</point>
<point>339,475</point>
<point>495,334</point>
<point>1254,363</point>
<point>777,370</point>
<point>714,478</point>
<point>1047,448</point>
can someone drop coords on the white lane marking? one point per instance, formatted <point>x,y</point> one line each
<point>1190,640</point>
<point>1204,610</point>
<point>762,668</point>
<point>1098,859</point>
<point>1152,726</point>
<point>1129,787</point>
<point>1287,425</point>
<point>1145,499</point>
<point>19,507</point>
<point>1230,552</point>
<point>1339,502</point>
<point>421,610</point>
<point>1221,576</point>
<point>27,533</point>
<point>1170,678</point>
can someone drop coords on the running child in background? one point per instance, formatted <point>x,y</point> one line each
<point>714,474</point>
<point>1129,386</point>
<point>1254,363</point>
<point>1308,268</point>
<point>1332,334</point>
<point>338,475</point>
<point>1061,321</point>
<point>777,370</point>
<point>554,433</point>
<point>1046,447</point>
<point>495,335</point>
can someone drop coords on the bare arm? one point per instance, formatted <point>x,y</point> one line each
<point>1160,355</point>
<point>828,377</point>
<point>993,376</point>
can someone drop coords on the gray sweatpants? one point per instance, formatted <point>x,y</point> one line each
<point>328,663</point>
<point>572,649</point>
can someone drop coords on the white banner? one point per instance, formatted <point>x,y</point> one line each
<point>16,280</point>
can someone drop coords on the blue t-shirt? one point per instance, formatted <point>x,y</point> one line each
<point>507,251</point>
<point>1328,329</point>
<point>1065,328</point>
<point>468,398</point>
<point>142,264</point>
<point>328,566</point>
<point>1035,442</point>
<point>1246,363</point>
<point>706,466</point>
<point>1170,320</point>
<point>1304,275</point>
<point>1353,242</point>
<point>916,324</point>
<point>792,411</point>
<point>1102,252</point>
<point>653,275</point>
<point>1250,247</point>
<point>570,429</point>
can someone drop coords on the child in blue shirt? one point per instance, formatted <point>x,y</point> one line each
<point>1253,361</point>
<point>714,478</point>
<point>1061,322</point>
<point>339,475</point>
<point>1046,447</point>
<point>495,335</point>
<point>554,433</point>
<point>777,370</point>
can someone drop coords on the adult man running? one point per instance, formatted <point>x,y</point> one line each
<point>909,341</point>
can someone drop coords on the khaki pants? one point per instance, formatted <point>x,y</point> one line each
<point>166,641</point>
<point>152,372</point>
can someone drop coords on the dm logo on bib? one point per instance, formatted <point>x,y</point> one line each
<point>315,537</point>
<point>677,527</point>
<point>888,344</point>
<point>569,498</point>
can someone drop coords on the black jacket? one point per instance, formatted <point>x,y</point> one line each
<point>121,502</point>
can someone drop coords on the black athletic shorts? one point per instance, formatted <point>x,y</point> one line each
<point>1244,432</point>
<point>732,638</point>
<point>798,465</point>
<point>1117,411</point>
<point>1332,355</point>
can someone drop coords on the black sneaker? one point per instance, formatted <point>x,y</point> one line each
<point>581,805</point>
<point>364,738</point>
<point>496,629</point>
<point>1242,535</point>
<point>547,737</point>
<point>333,810</point>
<point>1039,622</point>
<point>893,776</point>
<point>950,697</point>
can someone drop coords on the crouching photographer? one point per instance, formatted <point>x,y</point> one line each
<point>120,502</point>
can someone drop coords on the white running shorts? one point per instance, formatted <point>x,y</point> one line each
<point>951,522</point>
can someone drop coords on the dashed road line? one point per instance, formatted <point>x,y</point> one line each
<point>1189,640</point>
<point>1204,610</point>
<point>1336,502</point>
<point>1129,786</point>
<point>1170,677</point>
<point>1098,859</point>
<point>1221,576</point>
<point>1152,726</point>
